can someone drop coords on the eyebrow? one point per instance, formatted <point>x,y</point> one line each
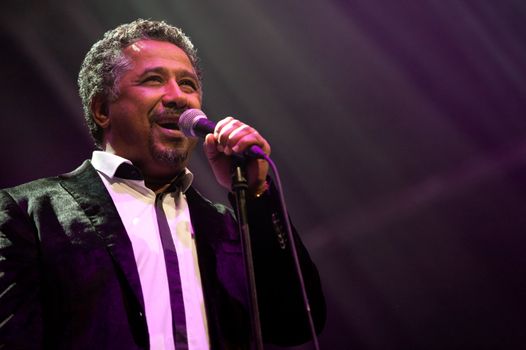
<point>162,70</point>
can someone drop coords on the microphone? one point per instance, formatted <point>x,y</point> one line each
<point>194,123</point>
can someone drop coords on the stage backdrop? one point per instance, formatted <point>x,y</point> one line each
<point>398,126</point>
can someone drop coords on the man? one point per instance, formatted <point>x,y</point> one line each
<point>87,258</point>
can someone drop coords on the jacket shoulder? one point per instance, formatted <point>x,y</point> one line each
<point>42,187</point>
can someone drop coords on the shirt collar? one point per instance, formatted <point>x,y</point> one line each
<point>107,163</point>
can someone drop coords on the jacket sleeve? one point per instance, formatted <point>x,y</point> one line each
<point>282,312</point>
<point>20,294</point>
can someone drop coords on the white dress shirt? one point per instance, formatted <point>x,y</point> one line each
<point>135,204</point>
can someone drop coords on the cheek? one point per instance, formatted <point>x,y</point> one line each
<point>136,101</point>
<point>133,106</point>
<point>194,101</point>
<point>128,121</point>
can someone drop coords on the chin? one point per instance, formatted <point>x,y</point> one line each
<point>173,153</point>
<point>176,156</point>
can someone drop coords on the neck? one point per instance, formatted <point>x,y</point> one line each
<point>158,174</point>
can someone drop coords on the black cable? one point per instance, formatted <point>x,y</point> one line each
<point>294,252</point>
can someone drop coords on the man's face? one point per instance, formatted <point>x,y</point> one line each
<point>141,126</point>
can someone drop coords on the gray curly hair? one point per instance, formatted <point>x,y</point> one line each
<point>104,63</point>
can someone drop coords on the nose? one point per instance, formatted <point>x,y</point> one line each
<point>173,96</point>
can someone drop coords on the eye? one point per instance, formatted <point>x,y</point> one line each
<point>153,80</point>
<point>188,85</point>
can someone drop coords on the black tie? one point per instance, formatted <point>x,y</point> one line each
<point>128,171</point>
<point>172,271</point>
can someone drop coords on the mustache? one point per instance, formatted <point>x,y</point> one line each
<point>168,113</point>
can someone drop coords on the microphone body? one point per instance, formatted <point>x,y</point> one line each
<point>194,123</point>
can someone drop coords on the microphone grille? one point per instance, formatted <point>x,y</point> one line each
<point>188,119</point>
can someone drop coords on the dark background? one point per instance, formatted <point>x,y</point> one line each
<point>398,127</point>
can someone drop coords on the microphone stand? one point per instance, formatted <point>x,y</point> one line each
<point>240,190</point>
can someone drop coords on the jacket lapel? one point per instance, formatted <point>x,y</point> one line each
<point>88,190</point>
<point>216,237</point>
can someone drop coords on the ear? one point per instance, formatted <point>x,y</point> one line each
<point>99,108</point>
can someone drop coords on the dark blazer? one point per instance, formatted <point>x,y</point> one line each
<point>68,277</point>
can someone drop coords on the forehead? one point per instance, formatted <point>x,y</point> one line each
<point>144,53</point>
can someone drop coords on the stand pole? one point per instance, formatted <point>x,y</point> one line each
<point>240,188</point>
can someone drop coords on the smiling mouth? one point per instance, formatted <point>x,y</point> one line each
<point>171,126</point>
